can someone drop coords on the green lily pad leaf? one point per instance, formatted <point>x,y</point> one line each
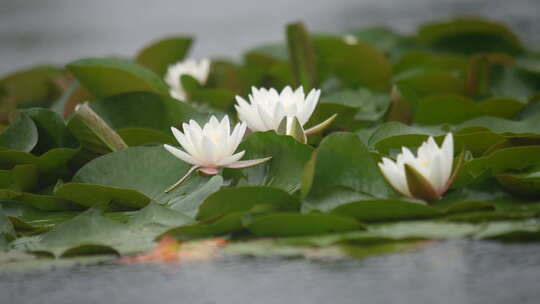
<point>215,98</point>
<point>342,161</point>
<point>501,107</point>
<point>424,230</point>
<point>91,232</point>
<point>21,135</point>
<point>392,136</point>
<point>160,54</point>
<point>143,110</point>
<point>418,86</point>
<point>467,35</point>
<point>302,56</point>
<point>110,76</point>
<point>50,164</point>
<point>154,219</point>
<point>513,158</point>
<point>34,86</point>
<point>21,178</point>
<point>190,203</point>
<point>386,210</point>
<point>52,131</point>
<point>445,109</point>
<point>384,39</point>
<point>229,200</point>
<point>130,178</point>
<point>47,202</point>
<point>229,223</point>
<point>528,126</point>
<point>286,167</point>
<point>7,232</point>
<point>511,230</point>
<point>143,136</point>
<point>293,224</point>
<point>356,64</point>
<point>276,50</point>
<point>94,195</point>
<point>417,62</point>
<point>354,108</point>
<point>267,70</point>
<point>27,218</point>
<point>521,184</point>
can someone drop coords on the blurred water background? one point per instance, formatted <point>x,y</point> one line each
<point>58,31</point>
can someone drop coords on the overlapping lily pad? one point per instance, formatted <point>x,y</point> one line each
<point>80,180</point>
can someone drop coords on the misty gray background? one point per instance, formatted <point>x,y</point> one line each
<point>58,31</point>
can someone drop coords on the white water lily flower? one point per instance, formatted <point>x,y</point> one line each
<point>432,163</point>
<point>211,147</point>
<point>350,39</point>
<point>196,69</point>
<point>267,108</point>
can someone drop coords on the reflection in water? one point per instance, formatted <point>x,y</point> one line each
<point>34,32</point>
<point>442,272</point>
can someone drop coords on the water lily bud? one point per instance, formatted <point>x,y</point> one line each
<point>426,176</point>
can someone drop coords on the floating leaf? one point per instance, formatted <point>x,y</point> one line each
<point>110,76</point>
<point>521,184</point>
<point>143,110</point>
<point>386,209</point>
<point>34,86</point>
<point>230,200</point>
<point>513,158</point>
<point>160,54</point>
<point>342,163</point>
<point>91,233</point>
<point>52,131</point>
<point>284,171</point>
<point>130,178</point>
<point>21,135</point>
<point>190,203</point>
<point>356,65</point>
<point>292,224</point>
<point>469,35</point>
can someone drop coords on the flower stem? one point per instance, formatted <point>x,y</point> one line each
<point>171,188</point>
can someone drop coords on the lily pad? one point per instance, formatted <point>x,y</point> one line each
<point>130,178</point>
<point>92,233</point>
<point>293,224</point>
<point>386,210</point>
<point>160,54</point>
<point>513,158</point>
<point>190,203</point>
<point>356,64</point>
<point>468,35</point>
<point>143,110</point>
<point>21,135</point>
<point>229,200</point>
<point>284,170</point>
<point>342,162</point>
<point>110,76</point>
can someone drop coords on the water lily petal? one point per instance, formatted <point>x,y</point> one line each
<point>181,154</point>
<point>248,163</point>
